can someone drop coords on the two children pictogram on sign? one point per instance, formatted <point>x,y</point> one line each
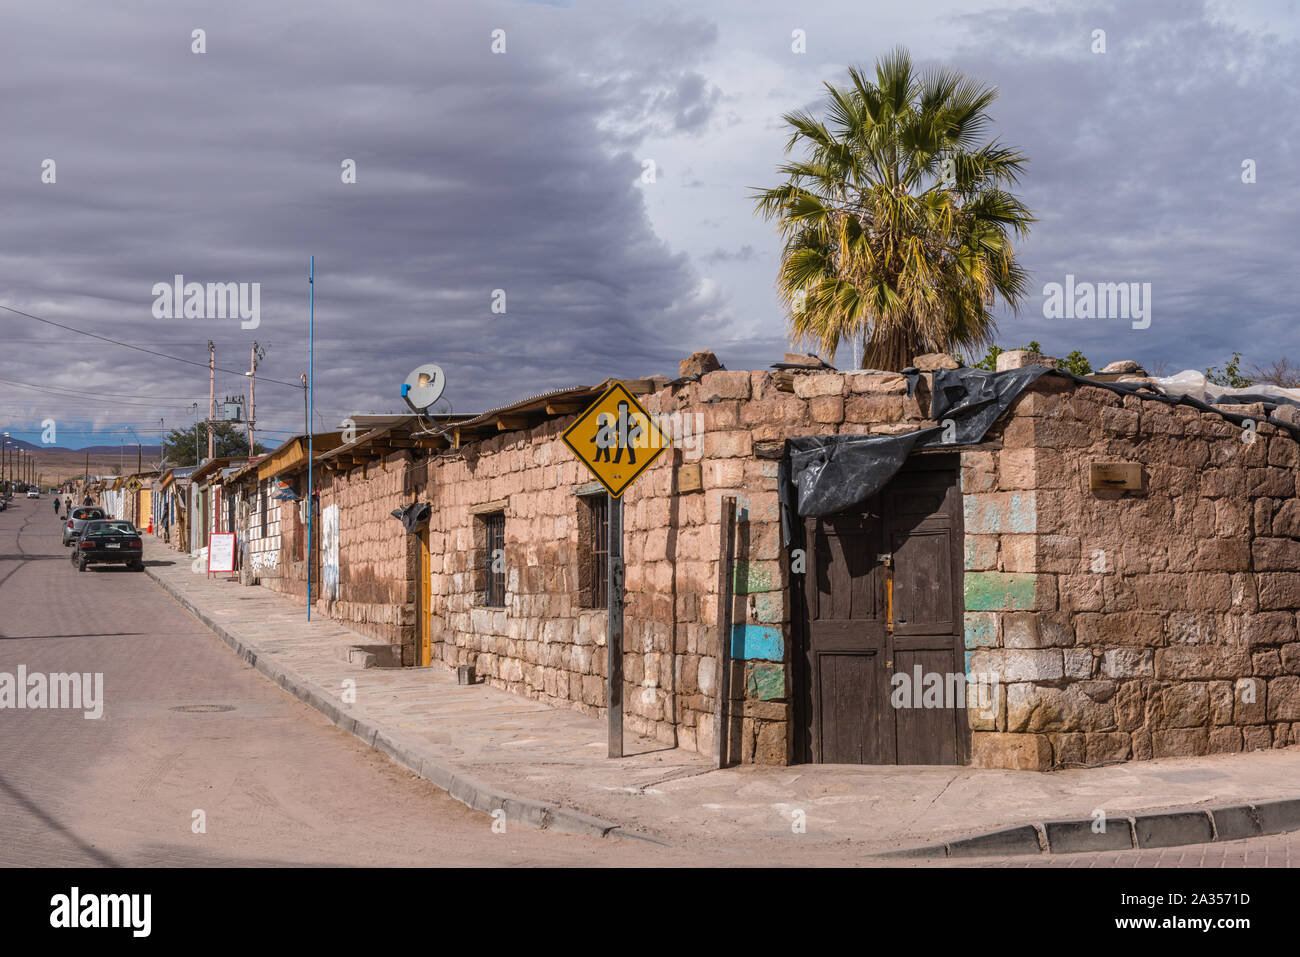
<point>618,433</point>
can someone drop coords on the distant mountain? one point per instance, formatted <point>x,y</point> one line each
<point>146,450</point>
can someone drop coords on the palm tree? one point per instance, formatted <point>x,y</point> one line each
<point>897,221</point>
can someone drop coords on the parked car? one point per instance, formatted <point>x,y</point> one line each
<point>77,520</point>
<point>105,542</point>
<point>33,493</point>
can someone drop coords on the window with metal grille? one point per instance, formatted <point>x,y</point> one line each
<point>494,551</point>
<point>593,525</point>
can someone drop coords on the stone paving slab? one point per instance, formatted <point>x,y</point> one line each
<point>548,767</point>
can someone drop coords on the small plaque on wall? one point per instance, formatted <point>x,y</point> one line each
<point>1125,476</point>
<point>689,478</point>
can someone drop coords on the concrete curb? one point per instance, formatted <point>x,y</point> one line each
<point>471,792</point>
<point>1172,828</point>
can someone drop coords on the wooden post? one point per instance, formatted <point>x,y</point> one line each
<point>722,681</point>
<point>614,632</point>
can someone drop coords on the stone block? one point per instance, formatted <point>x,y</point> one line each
<point>827,409</point>
<point>719,385</point>
<point>1128,663</point>
<point>1019,358</point>
<point>812,384</point>
<point>698,363</point>
<point>1003,591</point>
<point>1284,698</point>
<point>890,383</point>
<point>934,360</point>
<point>1016,752</point>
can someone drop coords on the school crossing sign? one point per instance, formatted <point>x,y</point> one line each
<point>616,439</point>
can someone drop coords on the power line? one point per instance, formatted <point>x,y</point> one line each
<point>127,345</point>
<point>127,395</point>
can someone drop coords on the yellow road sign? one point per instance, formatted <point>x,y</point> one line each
<point>134,485</point>
<point>616,439</point>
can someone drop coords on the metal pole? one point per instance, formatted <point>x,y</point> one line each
<point>614,632</point>
<point>252,395</point>
<point>212,393</point>
<point>311,399</point>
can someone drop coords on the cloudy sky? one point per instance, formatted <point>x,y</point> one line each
<point>525,171</point>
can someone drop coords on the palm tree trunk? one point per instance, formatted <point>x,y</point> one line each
<point>890,351</point>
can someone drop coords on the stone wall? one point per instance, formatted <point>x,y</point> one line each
<point>1132,624</point>
<point>377,560</point>
<point>546,646</point>
<point>1112,625</point>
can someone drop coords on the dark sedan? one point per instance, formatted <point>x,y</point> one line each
<point>109,543</point>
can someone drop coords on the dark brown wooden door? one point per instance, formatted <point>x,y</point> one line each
<point>907,539</point>
<point>847,641</point>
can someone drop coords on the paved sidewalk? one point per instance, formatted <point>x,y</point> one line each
<point>492,749</point>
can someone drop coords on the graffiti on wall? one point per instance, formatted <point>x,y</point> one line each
<point>329,542</point>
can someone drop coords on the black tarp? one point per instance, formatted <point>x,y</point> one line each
<point>824,474</point>
<point>412,516</point>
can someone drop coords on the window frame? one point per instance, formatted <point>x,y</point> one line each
<point>593,551</point>
<point>493,593</point>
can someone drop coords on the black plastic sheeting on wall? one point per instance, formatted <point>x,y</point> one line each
<point>412,516</point>
<point>824,474</point>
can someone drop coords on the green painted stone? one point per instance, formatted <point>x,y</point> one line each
<point>766,682</point>
<point>1000,591</point>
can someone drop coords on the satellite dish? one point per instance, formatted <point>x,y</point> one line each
<point>423,387</point>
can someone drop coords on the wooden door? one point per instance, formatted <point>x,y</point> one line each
<point>847,641</point>
<point>924,532</point>
<point>883,596</point>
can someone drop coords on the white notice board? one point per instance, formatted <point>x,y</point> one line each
<point>221,552</point>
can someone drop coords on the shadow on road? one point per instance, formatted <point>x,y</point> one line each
<point>98,856</point>
<point>102,634</point>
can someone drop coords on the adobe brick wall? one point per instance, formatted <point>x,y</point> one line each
<point>545,646</point>
<point>1125,625</point>
<point>378,561</point>
<point>1114,625</point>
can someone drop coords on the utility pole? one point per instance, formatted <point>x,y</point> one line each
<point>311,382</point>
<point>85,477</point>
<point>306,421</point>
<point>212,395</point>
<point>257,352</point>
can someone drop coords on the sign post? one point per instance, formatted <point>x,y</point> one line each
<point>617,441</point>
<point>614,631</point>
<point>221,553</point>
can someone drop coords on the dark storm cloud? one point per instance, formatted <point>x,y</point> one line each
<point>475,172</point>
<point>742,255</point>
<point>1136,173</point>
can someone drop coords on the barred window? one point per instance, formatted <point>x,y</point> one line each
<point>494,567</point>
<point>593,550</point>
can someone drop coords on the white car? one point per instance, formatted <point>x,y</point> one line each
<point>33,493</point>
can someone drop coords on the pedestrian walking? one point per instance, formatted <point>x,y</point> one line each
<point>56,506</point>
